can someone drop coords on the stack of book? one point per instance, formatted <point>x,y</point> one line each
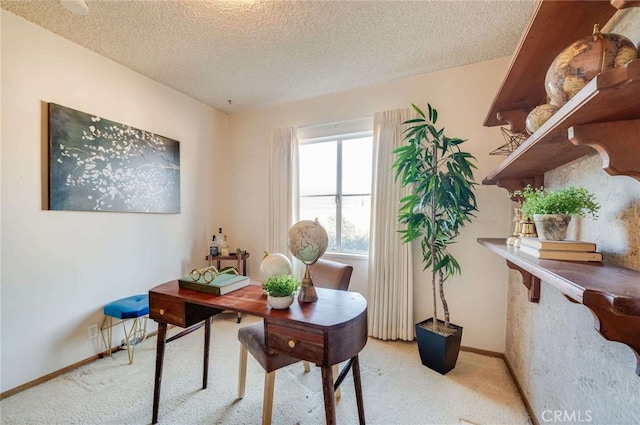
<point>222,284</point>
<point>560,250</point>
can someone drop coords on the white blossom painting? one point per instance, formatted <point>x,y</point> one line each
<point>100,165</point>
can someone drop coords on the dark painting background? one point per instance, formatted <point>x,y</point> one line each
<point>101,165</point>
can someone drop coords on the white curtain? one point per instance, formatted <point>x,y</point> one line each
<point>390,261</point>
<point>282,187</point>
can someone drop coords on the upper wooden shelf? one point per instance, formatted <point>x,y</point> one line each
<point>612,293</point>
<point>554,26</point>
<point>612,98</point>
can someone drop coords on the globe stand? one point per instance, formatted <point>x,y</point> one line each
<point>308,240</point>
<point>307,292</point>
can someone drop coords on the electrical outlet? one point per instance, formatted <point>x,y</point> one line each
<point>92,331</point>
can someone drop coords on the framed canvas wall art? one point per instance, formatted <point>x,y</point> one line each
<point>100,165</point>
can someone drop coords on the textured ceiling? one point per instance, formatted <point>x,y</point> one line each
<point>259,53</point>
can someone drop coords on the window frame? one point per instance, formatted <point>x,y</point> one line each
<point>338,195</point>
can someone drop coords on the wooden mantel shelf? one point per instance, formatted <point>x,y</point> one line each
<point>612,293</point>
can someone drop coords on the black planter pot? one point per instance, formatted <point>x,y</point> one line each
<point>438,352</point>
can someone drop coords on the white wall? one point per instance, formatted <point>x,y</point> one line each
<point>59,268</point>
<point>462,96</point>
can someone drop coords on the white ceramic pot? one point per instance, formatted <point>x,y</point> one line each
<point>280,302</point>
<point>551,227</point>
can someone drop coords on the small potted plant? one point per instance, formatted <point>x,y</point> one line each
<point>280,290</point>
<point>551,210</point>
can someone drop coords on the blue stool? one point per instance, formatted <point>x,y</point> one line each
<point>135,307</point>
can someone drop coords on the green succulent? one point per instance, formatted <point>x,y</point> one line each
<point>570,200</point>
<point>281,286</point>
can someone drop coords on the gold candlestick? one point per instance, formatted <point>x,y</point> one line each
<point>517,226</point>
<point>528,230</point>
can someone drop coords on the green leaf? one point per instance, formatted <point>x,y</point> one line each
<point>439,176</point>
<point>418,110</point>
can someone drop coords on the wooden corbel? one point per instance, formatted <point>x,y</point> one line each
<point>617,319</point>
<point>518,184</point>
<point>530,281</point>
<point>617,142</point>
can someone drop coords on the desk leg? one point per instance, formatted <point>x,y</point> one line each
<point>329,400</point>
<point>160,344</point>
<point>207,342</point>
<point>355,369</point>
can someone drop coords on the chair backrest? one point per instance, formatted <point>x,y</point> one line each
<point>330,274</point>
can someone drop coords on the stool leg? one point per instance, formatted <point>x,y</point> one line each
<point>127,336</point>
<point>135,329</point>
<point>144,330</point>
<point>107,341</point>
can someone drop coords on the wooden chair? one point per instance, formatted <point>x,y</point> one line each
<point>325,274</point>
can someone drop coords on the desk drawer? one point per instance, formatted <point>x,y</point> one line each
<point>303,343</point>
<point>167,311</point>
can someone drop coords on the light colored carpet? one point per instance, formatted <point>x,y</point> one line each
<point>397,389</point>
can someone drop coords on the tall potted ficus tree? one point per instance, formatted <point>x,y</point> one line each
<point>442,200</point>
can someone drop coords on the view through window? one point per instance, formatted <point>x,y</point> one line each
<point>335,187</point>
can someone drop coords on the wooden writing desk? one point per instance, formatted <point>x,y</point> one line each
<point>326,332</point>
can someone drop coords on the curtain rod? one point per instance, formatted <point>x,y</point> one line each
<point>310,126</point>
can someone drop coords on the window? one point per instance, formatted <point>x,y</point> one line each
<point>335,187</point>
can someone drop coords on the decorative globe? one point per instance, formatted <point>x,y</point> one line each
<point>274,265</point>
<point>308,241</point>
<point>538,116</point>
<point>579,63</point>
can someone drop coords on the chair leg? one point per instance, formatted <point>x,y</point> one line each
<point>306,366</point>
<point>336,372</point>
<point>267,401</point>
<point>242,371</point>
